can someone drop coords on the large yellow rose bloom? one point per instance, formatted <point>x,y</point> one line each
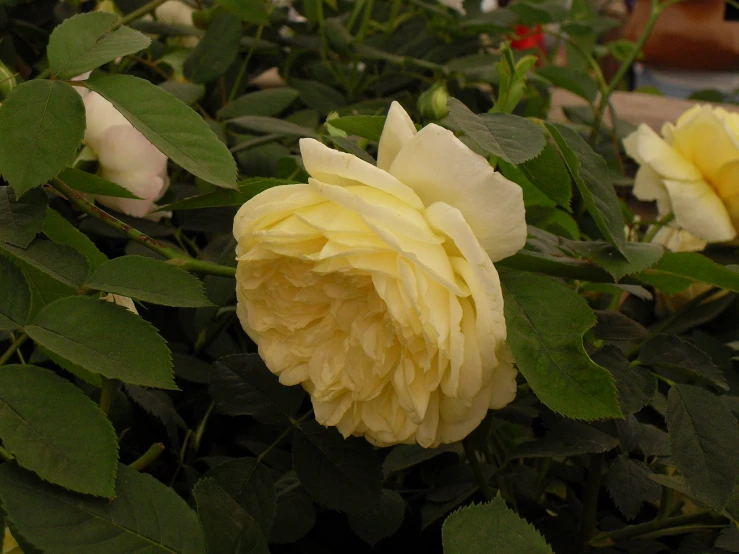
<point>692,171</point>
<point>374,287</point>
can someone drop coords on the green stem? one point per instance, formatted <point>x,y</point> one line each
<point>657,226</point>
<point>200,431</point>
<point>6,456</point>
<point>13,348</point>
<point>155,450</point>
<point>590,499</point>
<point>256,141</point>
<point>205,339</point>
<point>106,394</point>
<point>654,528</point>
<point>247,59</point>
<point>657,9</point>
<point>176,257</point>
<point>469,451</point>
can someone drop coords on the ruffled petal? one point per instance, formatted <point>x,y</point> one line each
<point>698,209</point>
<point>647,147</point>
<point>342,169</point>
<point>706,139</point>
<point>397,132</point>
<point>440,168</point>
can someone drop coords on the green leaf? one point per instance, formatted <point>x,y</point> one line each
<point>318,96</point>
<point>158,404</point>
<point>227,527</point>
<point>82,181</point>
<point>337,472</point>
<point>567,438</point>
<point>61,231</point>
<point>365,126</point>
<point>546,322</point>
<point>490,528</point>
<point>15,296</point>
<point>62,263</point>
<point>675,353</point>
<point>569,79</point>
<point>676,270</point>
<point>617,326</point>
<point>262,124</point>
<point>250,484</point>
<point>56,431</point>
<point>20,220</point>
<point>637,256</point>
<point>247,190</point>
<point>590,173</point>
<point>549,174</point>
<point>251,11</point>
<point>513,138</point>
<point>83,43</point>
<point>296,513</point>
<point>269,102</point>
<point>42,124</point>
<point>630,487</point>
<point>149,280</point>
<point>351,147</point>
<point>636,386</point>
<point>217,50</point>
<point>704,440</point>
<point>405,456</point>
<point>173,127</point>
<point>534,12</point>
<point>145,516</point>
<point>242,385</point>
<point>382,522</point>
<point>104,338</point>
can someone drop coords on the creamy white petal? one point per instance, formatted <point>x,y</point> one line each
<point>678,240</point>
<point>100,116</point>
<point>342,169</point>
<point>698,209</point>
<point>397,132</point>
<point>647,147</point>
<point>440,168</point>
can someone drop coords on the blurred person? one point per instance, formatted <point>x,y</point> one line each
<point>694,46</point>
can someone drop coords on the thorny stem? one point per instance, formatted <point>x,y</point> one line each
<point>471,454</point>
<point>148,457</point>
<point>657,9</point>
<point>590,498</point>
<point>106,394</point>
<point>13,348</point>
<point>176,257</point>
<point>657,528</point>
<point>247,59</point>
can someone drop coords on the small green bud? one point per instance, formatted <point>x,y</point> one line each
<point>432,102</point>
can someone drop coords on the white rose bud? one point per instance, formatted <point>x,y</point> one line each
<point>374,287</point>
<point>126,157</point>
<point>176,12</point>
<point>692,171</point>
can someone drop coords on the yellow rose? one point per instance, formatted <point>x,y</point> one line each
<point>692,171</point>
<point>374,287</point>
